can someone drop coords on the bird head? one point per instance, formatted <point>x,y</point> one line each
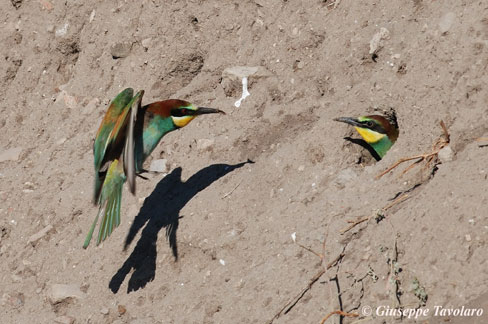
<point>378,131</point>
<point>182,112</point>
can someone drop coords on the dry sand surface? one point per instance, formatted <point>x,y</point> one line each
<point>423,240</point>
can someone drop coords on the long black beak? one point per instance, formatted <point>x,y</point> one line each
<point>203,111</point>
<point>349,120</point>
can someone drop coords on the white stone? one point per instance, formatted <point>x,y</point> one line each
<point>36,237</point>
<point>146,43</point>
<point>232,78</point>
<point>62,31</point>
<point>446,22</point>
<point>160,165</point>
<point>119,50</point>
<point>344,176</point>
<point>64,320</point>
<point>241,71</point>
<point>92,15</point>
<point>446,154</point>
<point>91,106</point>
<point>10,154</point>
<point>377,41</point>
<point>61,292</point>
<point>205,143</point>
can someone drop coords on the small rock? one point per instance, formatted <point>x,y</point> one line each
<point>91,106</point>
<point>232,78</point>
<point>61,141</point>
<point>104,311</point>
<point>344,176</point>
<point>61,292</point>
<point>29,185</point>
<point>64,320</point>
<point>240,71</point>
<point>120,50</point>
<point>146,43</point>
<point>70,101</point>
<point>272,193</point>
<point>36,237</point>
<point>160,166</point>
<point>121,309</point>
<point>204,144</point>
<point>446,154</point>
<point>446,22</point>
<point>92,16</point>
<point>468,238</point>
<point>62,31</point>
<point>301,168</point>
<point>376,42</point>
<point>12,154</point>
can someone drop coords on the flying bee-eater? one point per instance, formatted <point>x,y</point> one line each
<point>126,137</point>
<point>378,131</point>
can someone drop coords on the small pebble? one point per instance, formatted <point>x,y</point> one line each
<point>12,154</point>
<point>446,22</point>
<point>160,166</point>
<point>446,154</point>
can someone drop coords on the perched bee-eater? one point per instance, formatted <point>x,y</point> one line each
<point>127,136</point>
<point>378,131</point>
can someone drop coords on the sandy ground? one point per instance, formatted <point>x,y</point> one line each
<point>228,221</point>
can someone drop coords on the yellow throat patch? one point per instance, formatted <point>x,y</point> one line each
<point>369,136</point>
<point>182,121</point>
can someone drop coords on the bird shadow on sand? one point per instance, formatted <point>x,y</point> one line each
<point>160,210</point>
<point>365,145</point>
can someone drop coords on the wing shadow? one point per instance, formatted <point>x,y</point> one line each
<point>162,209</point>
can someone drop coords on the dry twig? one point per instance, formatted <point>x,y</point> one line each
<point>291,303</point>
<point>230,192</point>
<point>338,312</point>
<point>354,223</point>
<point>428,158</point>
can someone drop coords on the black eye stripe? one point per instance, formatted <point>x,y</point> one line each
<point>180,112</point>
<point>373,126</point>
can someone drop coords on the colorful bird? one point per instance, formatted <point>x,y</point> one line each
<point>126,137</point>
<point>378,131</point>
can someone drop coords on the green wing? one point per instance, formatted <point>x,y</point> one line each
<point>107,136</point>
<point>110,200</point>
<point>129,155</point>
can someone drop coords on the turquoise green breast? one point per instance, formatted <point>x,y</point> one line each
<point>382,146</point>
<point>152,133</point>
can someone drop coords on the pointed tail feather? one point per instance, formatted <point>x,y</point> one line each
<point>110,201</point>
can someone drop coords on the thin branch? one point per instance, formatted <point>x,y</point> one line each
<point>338,312</point>
<point>426,157</point>
<point>290,304</point>
<point>354,223</point>
<point>396,201</point>
<point>230,192</point>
